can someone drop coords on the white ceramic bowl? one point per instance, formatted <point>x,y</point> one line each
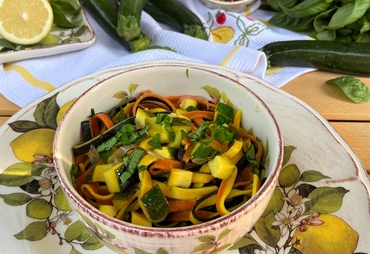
<point>169,78</point>
<point>233,6</point>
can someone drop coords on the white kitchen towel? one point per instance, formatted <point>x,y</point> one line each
<point>235,40</point>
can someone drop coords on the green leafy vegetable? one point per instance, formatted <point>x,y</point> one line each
<point>352,87</point>
<point>200,132</point>
<point>348,14</point>
<point>107,145</point>
<point>324,20</point>
<point>61,9</point>
<point>250,156</point>
<point>166,120</point>
<point>306,8</point>
<point>222,134</point>
<point>6,44</point>
<point>155,142</point>
<point>68,6</point>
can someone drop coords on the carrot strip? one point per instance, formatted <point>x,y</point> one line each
<point>161,166</point>
<point>80,158</point>
<point>204,214</point>
<point>198,121</point>
<point>82,168</point>
<point>95,121</point>
<point>187,155</point>
<point>148,91</point>
<point>244,178</point>
<point>174,99</point>
<point>80,180</point>
<point>178,216</point>
<point>209,115</point>
<point>151,104</point>
<point>177,205</point>
<point>154,96</point>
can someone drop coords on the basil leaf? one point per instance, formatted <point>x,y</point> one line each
<point>282,20</point>
<point>365,24</point>
<point>68,6</point>
<point>344,38</point>
<point>60,18</point>
<point>250,156</point>
<point>200,132</point>
<point>135,158</point>
<point>322,20</point>
<point>344,31</point>
<point>352,87</point>
<point>107,145</point>
<point>166,120</point>
<point>155,142</point>
<point>326,35</point>
<point>6,44</point>
<point>306,8</point>
<point>348,14</point>
<point>363,37</point>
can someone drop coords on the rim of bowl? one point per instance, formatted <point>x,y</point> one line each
<point>69,190</point>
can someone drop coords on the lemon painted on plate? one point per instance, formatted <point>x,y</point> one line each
<point>63,110</point>
<point>28,144</point>
<point>332,237</point>
<point>25,22</point>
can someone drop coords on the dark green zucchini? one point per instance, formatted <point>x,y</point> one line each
<point>129,16</point>
<point>105,12</point>
<point>155,204</point>
<point>334,56</point>
<point>178,16</point>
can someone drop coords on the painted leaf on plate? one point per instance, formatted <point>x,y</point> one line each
<point>77,231</point>
<point>61,201</point>
<point>325,200</point>
<point>35,231</point>
<point>16,199</point>
<point>20,173</point>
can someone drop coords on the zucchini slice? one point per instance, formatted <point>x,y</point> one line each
<point>155,204</point>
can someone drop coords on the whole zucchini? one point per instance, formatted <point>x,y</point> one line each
<point>105,12</point>
<point>335,56</point>
<point>178,16</point>
<point>129,16</point>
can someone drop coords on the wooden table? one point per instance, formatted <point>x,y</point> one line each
<point>351,120</point>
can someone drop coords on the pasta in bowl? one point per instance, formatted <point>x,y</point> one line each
<point>170,152</point>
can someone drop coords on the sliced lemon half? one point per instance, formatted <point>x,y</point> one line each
<point>25,22</point>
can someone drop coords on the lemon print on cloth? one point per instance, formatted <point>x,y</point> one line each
<point>333,236</point>
<point>34,142</point>
<point>25,22</point>
<point>222,34</point>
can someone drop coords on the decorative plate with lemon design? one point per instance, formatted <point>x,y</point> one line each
<point>320,205</point>
<point>63,22</point>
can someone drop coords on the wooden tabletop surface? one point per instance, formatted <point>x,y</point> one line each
<point>351,120</point>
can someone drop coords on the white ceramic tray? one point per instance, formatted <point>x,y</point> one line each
<point>70,40</point>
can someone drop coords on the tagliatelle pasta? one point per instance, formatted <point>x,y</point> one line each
<point>167,161</point>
